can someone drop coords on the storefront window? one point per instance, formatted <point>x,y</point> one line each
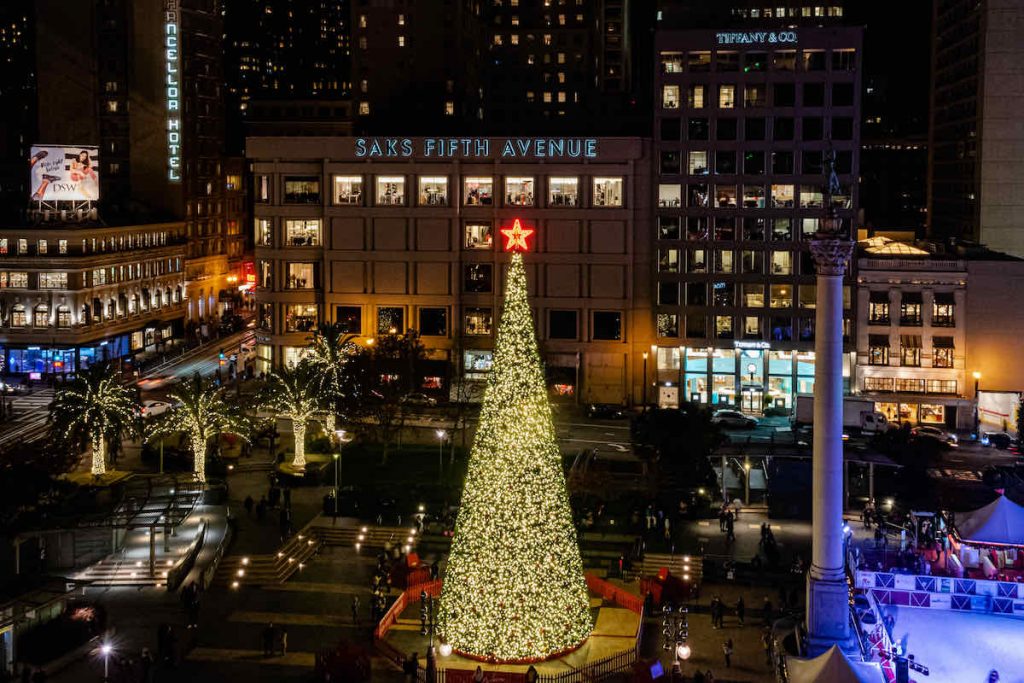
<point>53,280</point>
<point>942,352</point>
<point>608,192</point>
<point>433,191</point>
<point>723,389</point>
<point>478,191</point>
<point>910,385</point>
<point>878,349</point>
<point>780,392</point>
<point>390,320</point>
<point>477,361</point>
<point>302,190</point>
<point>878,384</point>
<point>300,275</point>
<point>348,190</point>
<point>479,321</point>
<point>780,362</point>
<point>933,413</point>
<point>563,191</point>
<point>303,232</point>
<point>390,190</point>
<point>293,355</point>
<point>910,350</point>
<point>264,233</point>
<point>697,388</point>
<point>908,412</point>
<point>943,308</point>
<point>478,236</point>
<point>696,360</point>
<point>300,317</point>
<point>942,386</point>
<point>668,358</point>
<point>910,309</point>
<point>519,191</point>
<point>723,360</point>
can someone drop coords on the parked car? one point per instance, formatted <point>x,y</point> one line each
<point>1000,440</point>
<point>733,419</point>
<point>154,408</point>
<point>609,411</point>
<point>419,399</point>
<point>930,432</point>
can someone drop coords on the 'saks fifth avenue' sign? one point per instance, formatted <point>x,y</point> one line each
<point>478,148</point>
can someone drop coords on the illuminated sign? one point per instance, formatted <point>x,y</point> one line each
<point>751,345</point>
<point>516,236</point>
<point>64,173</point>
<point>172,83</point>
<point>755,37</point>
<point>478,148</point>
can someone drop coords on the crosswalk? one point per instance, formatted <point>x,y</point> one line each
<point>28,422</point>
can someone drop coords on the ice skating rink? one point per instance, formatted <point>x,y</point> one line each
<point>960,647</point>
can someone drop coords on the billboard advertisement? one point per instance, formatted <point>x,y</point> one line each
<point>64,173</point>
<point>997,411</point>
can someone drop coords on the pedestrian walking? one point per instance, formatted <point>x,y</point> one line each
<point>766,643</point>
<point>249,502</point>
<point>668,529</point>
<point>727,652</point>
<point>730,527</point>
<point>282,641</point>
<point>268,639</point>
<point>355,610</point>
<point>767,611</point>
<point>478,675</point>
<point>741,610</point>
<point>622,562</point>
<point>721,518</point>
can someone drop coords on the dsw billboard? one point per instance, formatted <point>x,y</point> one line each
<point>64,174</point>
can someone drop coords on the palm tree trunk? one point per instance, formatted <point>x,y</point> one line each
<point>99,457</point>
<point>199,454</point>
<point>299,429</point>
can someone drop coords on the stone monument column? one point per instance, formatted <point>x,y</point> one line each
<point>828,618</point>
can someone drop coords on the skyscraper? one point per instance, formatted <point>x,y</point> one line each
<point>976,143</point>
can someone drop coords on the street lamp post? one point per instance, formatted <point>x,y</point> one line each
<point>977,412</point>
<point>645,381</point>
<point>343,438</point>
<point>440,454</point>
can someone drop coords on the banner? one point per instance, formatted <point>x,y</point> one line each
<point>64,174</point>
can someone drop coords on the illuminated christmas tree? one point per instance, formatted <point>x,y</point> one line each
<point>514,587</point>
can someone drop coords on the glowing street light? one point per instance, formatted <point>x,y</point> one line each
<point>105,650</point>
<point>440,453</point>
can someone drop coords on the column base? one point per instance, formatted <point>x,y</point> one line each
<point>828,616</point>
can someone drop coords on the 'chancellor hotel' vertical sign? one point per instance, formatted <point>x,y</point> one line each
<point>173,84</point>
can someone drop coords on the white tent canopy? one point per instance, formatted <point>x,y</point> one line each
<point>1001,522</point>
<point>832,667</point>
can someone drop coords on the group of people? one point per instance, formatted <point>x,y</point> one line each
<point>727,520</point>
<point>274,640</point>
<point>718,612</point>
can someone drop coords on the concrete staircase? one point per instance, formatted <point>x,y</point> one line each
<point>116,570</point>
<point>681,566</point>
<point>261,570</point>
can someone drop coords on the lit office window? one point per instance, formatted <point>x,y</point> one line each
<point>478,236</point>
<point>670,97</point>
<point>302,232</point>
<point>348,190</point>
<point>607,192</point>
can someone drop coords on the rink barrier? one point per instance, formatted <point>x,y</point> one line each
<point>944,593</point>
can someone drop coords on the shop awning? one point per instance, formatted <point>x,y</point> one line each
<point>910,341</point>
<point>878,297</point>
<point>912,297</point>
<point>944,298</point>
<point>878,340</point>
<point>942,342</point>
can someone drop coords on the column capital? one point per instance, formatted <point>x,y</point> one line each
<point>831,255</point>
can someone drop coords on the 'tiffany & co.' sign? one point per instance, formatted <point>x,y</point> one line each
<point>755,37</point>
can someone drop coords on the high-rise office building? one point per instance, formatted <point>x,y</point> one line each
<point>746,120</point>
<point>976,143</point>
<point>142,82</point>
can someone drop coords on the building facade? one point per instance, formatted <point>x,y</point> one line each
<point>976,142</point>
<point>745,122</point>
<point>398,234</point>
<point>932,327</point>
<point>74,296</point>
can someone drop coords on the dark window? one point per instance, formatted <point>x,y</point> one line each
<point>562,325</point>
<point>782,163</point>
<point>754,128</point>
<point>608,325</point>
<point>670,163</point>
<point>434,322</point>
<point>302,190</point>
<point>842,94</point>
<point>725,162</point>
<point>783,128</point>
<point>479,278</point>
<point>349,319</point>
<point>390,320</point>
<point>668,293</point>
<point>785,94</point>
<point>842,128</point>
<point>696,326</point>
<point>814,94</point>
<point>814,128</point>
<point>696,294</point>
<point>668,227</point>
<point>782,329</point>
<point>670,129</point>
<point>726,129</point>
<point>753,163</point>
<point>697,129</point>
<point>811,162</point>
<point>755,61</point>
<point>844,162</point>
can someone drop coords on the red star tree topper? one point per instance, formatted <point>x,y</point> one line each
<point>516,237</point>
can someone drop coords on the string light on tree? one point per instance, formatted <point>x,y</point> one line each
<point>514,587</point>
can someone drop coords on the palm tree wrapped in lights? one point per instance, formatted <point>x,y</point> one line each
<point>95,409</point>
<point>329,350</point>
<point>201,412</point>
<point>291,393</point>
